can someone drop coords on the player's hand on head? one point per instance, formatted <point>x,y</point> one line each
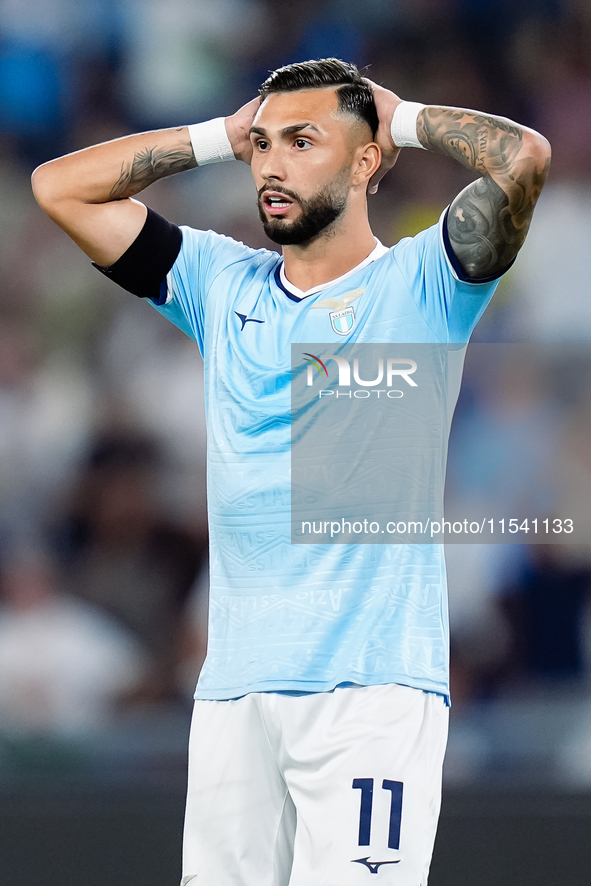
<point>386,103</point>
<point>238,129</point>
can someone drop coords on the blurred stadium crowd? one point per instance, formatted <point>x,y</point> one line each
<point>103,543</point>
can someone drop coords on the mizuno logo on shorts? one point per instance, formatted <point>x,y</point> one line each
<point>373,865</point>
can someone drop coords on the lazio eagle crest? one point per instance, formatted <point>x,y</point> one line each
<point>342,317</point>
<point>343,322</point>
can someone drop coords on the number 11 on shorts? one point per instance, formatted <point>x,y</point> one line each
<point>365,785</point>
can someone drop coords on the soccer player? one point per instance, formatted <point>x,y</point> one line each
<point>321,711</point>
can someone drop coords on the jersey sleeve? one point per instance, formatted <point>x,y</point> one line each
<point>202,257</point>
<point>450,303</point>
<point>174,268</point>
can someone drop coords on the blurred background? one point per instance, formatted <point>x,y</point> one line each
<point>103,539</point>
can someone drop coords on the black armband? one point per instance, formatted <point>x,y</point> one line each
<point>142,268</point>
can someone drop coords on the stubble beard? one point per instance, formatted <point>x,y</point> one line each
<point>317,213</point>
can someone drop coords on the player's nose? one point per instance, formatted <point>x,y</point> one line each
<point>273,165</point>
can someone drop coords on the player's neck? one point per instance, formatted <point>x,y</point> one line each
<point>328,256</point>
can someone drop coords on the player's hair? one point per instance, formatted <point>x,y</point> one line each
<point>354,95</point>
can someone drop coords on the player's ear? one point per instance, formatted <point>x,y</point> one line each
<point>367,160</point>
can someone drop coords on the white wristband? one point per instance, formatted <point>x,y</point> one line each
<point>210,142</point>
<point>404,125</point>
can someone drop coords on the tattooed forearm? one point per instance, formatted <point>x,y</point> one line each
<point>148,166</point>
<point>488,221</point>
<point>477,141</point>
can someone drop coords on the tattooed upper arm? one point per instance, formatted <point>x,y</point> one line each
<point>488,221</point>
<point>481,230</point>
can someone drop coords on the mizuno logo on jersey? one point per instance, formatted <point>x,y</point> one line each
<point>244,320</point>
<point>373,866</point>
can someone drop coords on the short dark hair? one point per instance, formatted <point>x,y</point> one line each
<point>354,95</point>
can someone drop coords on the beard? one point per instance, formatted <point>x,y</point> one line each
<point>317,213</point>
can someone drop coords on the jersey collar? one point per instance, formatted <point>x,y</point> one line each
<point>296,294</point>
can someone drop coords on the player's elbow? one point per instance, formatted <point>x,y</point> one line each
<point>48,188</point>
<point>538,148</point>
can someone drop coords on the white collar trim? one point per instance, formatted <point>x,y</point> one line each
<point>377,252</point>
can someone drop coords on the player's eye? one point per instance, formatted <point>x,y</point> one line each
<point>262,145</point>
<point>301,143</point>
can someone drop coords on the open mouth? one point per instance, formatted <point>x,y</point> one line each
<point>276,203</point>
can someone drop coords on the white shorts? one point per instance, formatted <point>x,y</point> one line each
<point>325,789</point>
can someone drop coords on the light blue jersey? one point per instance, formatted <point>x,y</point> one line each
<point>299,617</point>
